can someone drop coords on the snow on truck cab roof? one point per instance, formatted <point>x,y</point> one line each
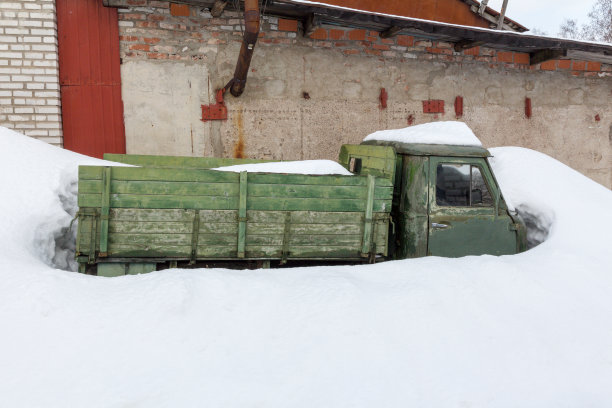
<point>450,138</point>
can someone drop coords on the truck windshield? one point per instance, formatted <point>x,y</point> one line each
<point>461,185</point>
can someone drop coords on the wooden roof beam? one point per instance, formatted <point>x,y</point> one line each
<point>217,8</point>
<point>502,16</point>
<point>311,24</point>
<point>494,21</point>
<point>538,57</point>
<point>483,7</point>
<point>589,56</point>
<point>390,32</point>
<point>467,44</point>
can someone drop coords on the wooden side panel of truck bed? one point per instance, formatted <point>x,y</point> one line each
<point>132,214</point>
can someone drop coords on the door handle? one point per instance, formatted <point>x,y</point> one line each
<point>438,226</point>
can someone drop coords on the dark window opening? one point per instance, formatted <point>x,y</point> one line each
<point>461,185</point>
<point>355,165</point>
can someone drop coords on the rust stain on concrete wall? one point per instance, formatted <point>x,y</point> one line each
<point>239,126</point>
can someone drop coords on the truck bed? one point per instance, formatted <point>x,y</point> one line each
<point>148,215</point>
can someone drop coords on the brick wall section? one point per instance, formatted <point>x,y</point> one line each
<point>149,29</point>
<point>29,81</point>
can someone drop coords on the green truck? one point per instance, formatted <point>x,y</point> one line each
<point>402,201</point>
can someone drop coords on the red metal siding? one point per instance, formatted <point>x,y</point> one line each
<point>447,11</point>
<point>90,77</point>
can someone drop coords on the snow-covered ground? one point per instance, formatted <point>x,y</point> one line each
<point>529,330</point>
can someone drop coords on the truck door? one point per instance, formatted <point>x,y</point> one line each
<point>465,217</point>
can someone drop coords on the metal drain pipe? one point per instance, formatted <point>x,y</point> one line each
<point>251,31</point>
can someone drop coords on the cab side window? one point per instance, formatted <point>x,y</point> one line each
<point>479,192</point>
<point>461,185</point>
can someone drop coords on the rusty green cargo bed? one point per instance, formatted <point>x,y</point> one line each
<point>145,215</point>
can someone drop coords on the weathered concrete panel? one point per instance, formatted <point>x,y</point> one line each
<point>264,129</point>
<point>162,108</point>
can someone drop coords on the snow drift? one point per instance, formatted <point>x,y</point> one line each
<point>529,330</point>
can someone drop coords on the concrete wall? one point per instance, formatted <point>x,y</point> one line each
<point>29,81</point>
<point>172,63</point>
<point>162,107</point>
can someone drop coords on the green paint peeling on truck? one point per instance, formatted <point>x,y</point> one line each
<point>403,201</point>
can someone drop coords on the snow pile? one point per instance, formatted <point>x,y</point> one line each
<point>526,330</point>
<point>447,133</point>
<point>316,167</point>
<point>38,186</point>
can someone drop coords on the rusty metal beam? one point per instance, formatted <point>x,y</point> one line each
<point>251,31</point>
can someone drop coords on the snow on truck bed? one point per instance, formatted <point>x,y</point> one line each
<point>448,133</point>
<point>529,330</point>
<point>313,167</point>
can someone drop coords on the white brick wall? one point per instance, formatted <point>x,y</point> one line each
<point>29,80</point>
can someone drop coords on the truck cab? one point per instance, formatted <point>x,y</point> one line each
<point>446,200</point>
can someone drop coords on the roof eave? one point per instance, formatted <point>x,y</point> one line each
<point>539,48</point>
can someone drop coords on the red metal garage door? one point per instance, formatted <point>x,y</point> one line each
<point>90,79</point>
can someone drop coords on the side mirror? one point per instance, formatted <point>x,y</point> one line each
<point>476,196</point>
